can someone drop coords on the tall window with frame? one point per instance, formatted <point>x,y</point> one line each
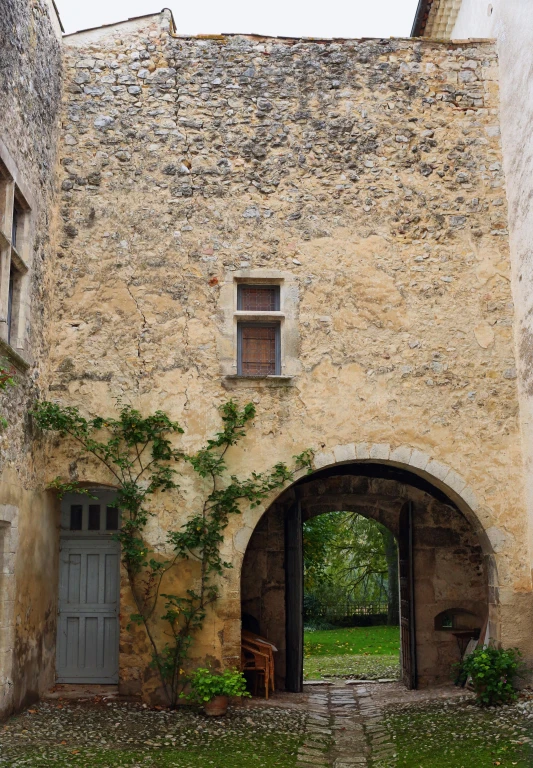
<point>14,258</point>
<point>258,332</point>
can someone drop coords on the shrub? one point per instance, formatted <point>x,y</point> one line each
<point>493,672</point>
<point>205,685</point>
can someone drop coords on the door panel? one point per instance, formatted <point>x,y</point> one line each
<point>294,598</point>
<point>407,597</point>
<point>87,648</point>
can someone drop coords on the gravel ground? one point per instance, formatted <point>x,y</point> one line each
<point>371,667</point>
<point>459,734</point>
<point>125,735</point>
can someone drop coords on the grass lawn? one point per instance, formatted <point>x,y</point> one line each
<point>358,652</point>
<point>354,641</point>
<point>460,736</point>
<point>241,753</point>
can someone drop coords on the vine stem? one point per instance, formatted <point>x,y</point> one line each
<point>198,539</point>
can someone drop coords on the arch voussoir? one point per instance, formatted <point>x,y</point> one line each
<point>406,456</point>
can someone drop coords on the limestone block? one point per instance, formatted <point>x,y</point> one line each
<point>468,495</point>
<point>497,538</point>
<point>380,451</point>
<point>6,638</point>
<point>323,460</point>
<point>362,451</point>
<point>402,454</point>
<point>241,539</point>
<point>344,452</point>
<point>8,513</point>
<point>419,459</point>
<point>7,565</point>
<point>438,470</point>
<point>484,335</point>
<point>455,481</point>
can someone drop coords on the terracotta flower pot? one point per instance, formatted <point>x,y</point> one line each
<point>217,706</point>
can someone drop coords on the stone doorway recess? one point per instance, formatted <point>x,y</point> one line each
<point>443,570</point>
<point>89,590</point>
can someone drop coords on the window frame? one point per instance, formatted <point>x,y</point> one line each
<point>241,287</point>
<point>16,237</point>
<point>277,340</point>
<point>231,316</point>
<point>103,498</point>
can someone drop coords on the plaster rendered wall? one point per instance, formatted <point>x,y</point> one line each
<point>30,82</point>
<point>370,171</point>
<point>479,18</point>
<point>511,23</point>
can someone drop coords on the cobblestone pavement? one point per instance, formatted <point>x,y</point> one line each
<point>345,727</point>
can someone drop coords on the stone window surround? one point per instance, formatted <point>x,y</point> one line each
<point>12,189</point>
<point>8,546</point>
<point>287,317</point>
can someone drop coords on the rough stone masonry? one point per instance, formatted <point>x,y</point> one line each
<point>30,101</point>
<point>366,175</point>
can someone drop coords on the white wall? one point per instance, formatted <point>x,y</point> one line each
<point>511,23</point>
<point>477,18</point>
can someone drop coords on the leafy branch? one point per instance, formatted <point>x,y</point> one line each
<point>139,454</point>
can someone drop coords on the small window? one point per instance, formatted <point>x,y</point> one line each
<point>258,349</point>
<point>15,254</point>
<point>457,620</point>
<point>94,517</point>
<point>16,225</point>
<point>258,298</point>
<point>76,517</point>
<point>13,305</point>
<point>111,522</point>
<point>10,297</point>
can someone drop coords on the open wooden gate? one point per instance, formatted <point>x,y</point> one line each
<point>294,576</point>
<point>407,597</point>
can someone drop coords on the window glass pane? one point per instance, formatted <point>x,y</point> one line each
<point>111,522</point>
<point>94,517</point>
<point>10,295</point>
<point>17,219</point>
<point>76,517</point>
<point>259,299</point>
<point>258,350</point>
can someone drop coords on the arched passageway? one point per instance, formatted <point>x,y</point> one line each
<point>443,570</point>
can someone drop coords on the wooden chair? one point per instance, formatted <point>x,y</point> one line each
<point>264,647</point>
<point>253,660</point>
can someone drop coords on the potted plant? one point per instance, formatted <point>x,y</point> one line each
<point>213,689</point>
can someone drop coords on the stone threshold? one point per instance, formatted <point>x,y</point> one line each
<point>82,691</point>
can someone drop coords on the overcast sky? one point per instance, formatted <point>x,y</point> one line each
<point>292,18</point>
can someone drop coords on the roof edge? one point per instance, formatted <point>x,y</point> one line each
<point>421,18</point>
<point>124,21</point>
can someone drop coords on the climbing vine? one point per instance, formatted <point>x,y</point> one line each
<point>139,453</point>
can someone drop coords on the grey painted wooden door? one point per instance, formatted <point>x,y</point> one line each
<point>87,647</point>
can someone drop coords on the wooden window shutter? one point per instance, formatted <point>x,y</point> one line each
<point>258,298</point>
<point>258,350</point>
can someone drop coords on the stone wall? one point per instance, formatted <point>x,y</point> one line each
<point>30,85</point>
<point>510,22</point>
<point>367,174</point>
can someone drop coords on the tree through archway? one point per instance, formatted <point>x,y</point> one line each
<point>449,574</point>
<point>351,598</point>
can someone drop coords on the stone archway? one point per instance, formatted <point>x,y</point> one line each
<point>452,564</point>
